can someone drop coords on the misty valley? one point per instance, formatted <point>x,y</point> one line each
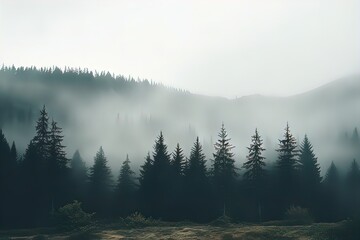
<point>91,155</point>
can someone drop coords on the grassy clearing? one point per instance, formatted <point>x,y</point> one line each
<point>188,231</point>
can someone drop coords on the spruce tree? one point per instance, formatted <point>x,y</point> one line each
<point>223,167</point>
<point>332,209</point>
<point>146,181</point>
<point>4,177</point>
<point>309,176</point>
<point>146,171</point>
<point>161,186</point>
<point>101,184</point>
<point>287,166</point>
<point>79,177</point>
<point>126,181</point>
<point>309,167</point>
<point>353,189</point>
<point>42,137</point>
<point>125,190</point>
<point>177,181</point>
<point>255,173</point>
<point>178,162</point>
<point>13,154</point>
<point>197,184</point>
<point>57,152</point>
<point>58,166</point>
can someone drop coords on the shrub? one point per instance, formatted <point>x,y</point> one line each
<point>73,216</point>
<point>222,221</point>
<point>296,215</point>
<point>137,220</point>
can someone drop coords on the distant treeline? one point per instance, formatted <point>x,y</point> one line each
<point>172,186</point>
<point>29,82</point>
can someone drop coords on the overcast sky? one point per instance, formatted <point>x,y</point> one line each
<point>223,48</point>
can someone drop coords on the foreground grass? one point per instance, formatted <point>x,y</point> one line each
<point>186,231</point>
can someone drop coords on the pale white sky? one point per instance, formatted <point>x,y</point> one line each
<point>223,48</point>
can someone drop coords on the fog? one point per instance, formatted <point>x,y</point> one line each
<point>126,120</point>
<point>217,48</point>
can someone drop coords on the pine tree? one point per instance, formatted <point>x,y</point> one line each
<point>353,189</point>
<point>255,172</point>
<point>13,154</point>
<point>310,178</point>
<point>177,182</point>
<point>196,184</point>
<point>223,167</point>
<point>79,177</point>
<point>146,181</point>
<point>57,152</point>
<point>42,137</point>
<point>178,162</point>
<point>101,184</point>
<point>287,166</point>
<point>125,189</point>
<point>331,203</point>
<point>126,182</point>
<point>4,177</point>
<point>309,167</point>
<point>161,185</point>
<point>146,171</point>
<point>332,178</point>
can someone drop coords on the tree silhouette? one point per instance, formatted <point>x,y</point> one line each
<point>197,184</point>
<point>353,189</point>
<point>146,181</point>
<point>223,167</point>
<point>255,173</point>
<point>161,184</point>
<point>287,164</point>
<point>331,202</point>
<point>125,189</point>
<point>79,177</point>
<point>101,184</point>
<point>310,178</point>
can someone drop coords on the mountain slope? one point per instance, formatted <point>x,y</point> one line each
<point>125,116</point>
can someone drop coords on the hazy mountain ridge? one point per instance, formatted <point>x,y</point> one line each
<point>125,116</point>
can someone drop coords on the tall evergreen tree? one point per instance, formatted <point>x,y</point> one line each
<point>146,181</point>
<point>58,167</point>
<point>146,171</point>
<point>287,166</point>
<point>197,184</point>
<point>42,137</point>
<point>353,189</point>
<point>309,167</point>
<point>79,177</point>
<point>177,204</point>
<point>331,203</point>
<point>223,167</point>
<point>161,170</point>
<point>310,178</point>
<point>125,189</point>
<point>178,162</point>
<point>101,184</point>
<point>4,177</point>
<point>255,172</point>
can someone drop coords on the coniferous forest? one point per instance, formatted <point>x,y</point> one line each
<point>173,185</point>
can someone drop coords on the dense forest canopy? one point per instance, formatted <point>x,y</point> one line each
<point>173,185</point>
